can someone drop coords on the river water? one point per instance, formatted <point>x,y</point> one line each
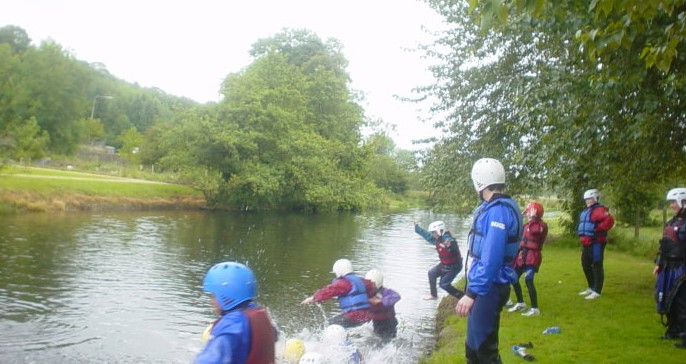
<point>126,287</point>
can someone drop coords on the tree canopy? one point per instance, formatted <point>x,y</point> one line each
<point>518,81</point>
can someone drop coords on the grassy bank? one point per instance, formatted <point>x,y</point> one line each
<point>42,190</point>
<point>619,327</point>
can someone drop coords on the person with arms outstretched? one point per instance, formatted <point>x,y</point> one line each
<point>449,255</point>
<point>353,294</point>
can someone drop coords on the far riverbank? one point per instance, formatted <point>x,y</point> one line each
<point>44,190</point>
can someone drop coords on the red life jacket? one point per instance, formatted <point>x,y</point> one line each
<point>532,236</point>
<point>446,256</point>
<point>262,337</point>
<point>672,248</point>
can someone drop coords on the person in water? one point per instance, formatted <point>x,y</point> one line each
<point>243,333</point>
<point>353,293</point>
<point>450,263</point>
<point>382,307</point>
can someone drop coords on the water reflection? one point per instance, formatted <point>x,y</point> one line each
<point>125,287</point>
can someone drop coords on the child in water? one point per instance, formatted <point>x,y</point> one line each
<point>243,333</point>
<point>382,307</point>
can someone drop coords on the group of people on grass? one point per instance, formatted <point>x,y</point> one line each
<point>501,248</point>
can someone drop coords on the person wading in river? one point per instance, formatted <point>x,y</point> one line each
<point>353,293</point>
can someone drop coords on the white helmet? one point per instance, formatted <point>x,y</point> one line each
<point>342,267</point>
<point>437,226</point>
<point>592,193</point>
<point>334,335</point>
<point>376,277</point>
<point>487,172</point>
<point>311,358</point>
<point>678,195</point>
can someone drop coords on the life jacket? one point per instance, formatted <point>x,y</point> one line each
<point>356,299</point>
<point>673,242</point>
<point>531,236</point>
<point>447,256</point>
<point>586,227</point>
<point>477,236</point>
<point>262,337</point>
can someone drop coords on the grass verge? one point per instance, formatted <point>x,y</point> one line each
<point>39,190</point>
<point>619,327</point>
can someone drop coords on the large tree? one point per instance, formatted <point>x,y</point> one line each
<point>525,92</point>
<point>285,135</point>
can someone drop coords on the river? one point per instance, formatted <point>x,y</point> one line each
<point>125,287</point>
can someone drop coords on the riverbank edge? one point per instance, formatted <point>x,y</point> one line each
<point>68,201</point>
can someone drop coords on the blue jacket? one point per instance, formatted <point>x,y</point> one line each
<point>233,335</point>
<point>493,242</point>
<point>229,340</point>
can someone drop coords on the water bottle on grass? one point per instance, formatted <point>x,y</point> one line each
<point>552,330</point>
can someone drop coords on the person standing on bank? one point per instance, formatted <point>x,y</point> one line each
<point>670,269</point>
<point>529,257</point>
<point>594,223</point>
<point>493,242</point>
<point>450,263</point>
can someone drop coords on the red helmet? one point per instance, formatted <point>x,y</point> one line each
<point>536,207</point>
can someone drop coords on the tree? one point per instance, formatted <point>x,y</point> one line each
<point>22,140</point>
<point>131,142</point>
<point>527,94</point>
<point>92,130</point>
<point>15,37</point>
<point>657,29</point>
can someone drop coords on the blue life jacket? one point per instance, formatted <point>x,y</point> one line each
<point>356,299</point>
<point>586,227</point>
<point>476,236</point>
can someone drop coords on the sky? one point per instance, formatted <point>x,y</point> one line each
<point>186,48</point>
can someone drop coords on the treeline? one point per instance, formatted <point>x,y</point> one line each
<point>285,135</point>
<point>569,96</point>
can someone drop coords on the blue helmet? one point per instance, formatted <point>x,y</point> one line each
<point>231,283</point>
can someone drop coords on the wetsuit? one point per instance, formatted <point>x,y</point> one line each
<point>594,223</point>
<point>242,335</point>
<point>670,287</point>
<point>529,257</point>
<point>493,243</point>
<point>450,262</point>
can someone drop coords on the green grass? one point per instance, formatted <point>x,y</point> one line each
<point>100,187</point>
<point>619,327</point>
<point>13,170</point>
<point>41,190</point>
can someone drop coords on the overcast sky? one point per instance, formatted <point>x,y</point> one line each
<point>186,48</point>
